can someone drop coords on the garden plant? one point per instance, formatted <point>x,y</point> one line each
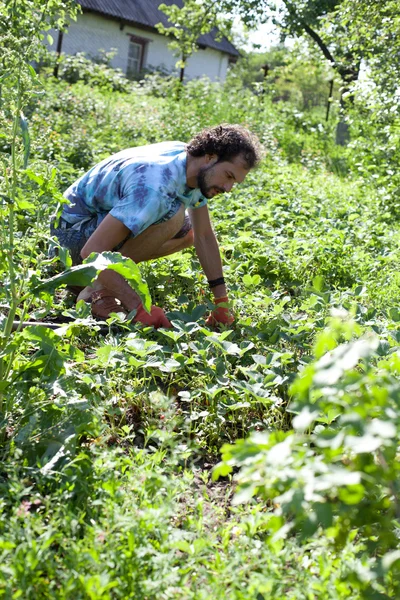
<point>259,461</point>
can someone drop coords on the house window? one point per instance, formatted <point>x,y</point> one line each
<point>136,52</point>
<point>134,58</point>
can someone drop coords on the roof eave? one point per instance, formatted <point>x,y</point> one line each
<point>124,22</point>
<point>120,20</point>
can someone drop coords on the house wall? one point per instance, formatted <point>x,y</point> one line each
<point>92,33</point>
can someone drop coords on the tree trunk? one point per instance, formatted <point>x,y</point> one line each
<point>348,72</point>
<point>58,52</point>
<point>349,75</point>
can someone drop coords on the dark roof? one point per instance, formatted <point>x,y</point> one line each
<point>145,13</point>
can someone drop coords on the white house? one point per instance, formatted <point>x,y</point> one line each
<point>128,26</point>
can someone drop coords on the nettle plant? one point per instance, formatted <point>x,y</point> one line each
<point>338,469</point>
<point>28,197</point>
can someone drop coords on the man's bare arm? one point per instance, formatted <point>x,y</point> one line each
<point>207,248</point>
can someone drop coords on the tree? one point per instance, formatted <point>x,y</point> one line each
<point>316,19</point>
<point>372,28</point>
<point>191,20</point>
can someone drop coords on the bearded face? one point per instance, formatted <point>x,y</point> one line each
<point>206,182</point>
<point>220,176</point>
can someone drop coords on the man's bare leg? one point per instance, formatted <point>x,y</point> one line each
<point>148,244</point>
<point>172,246</point>
<point>155,242</point>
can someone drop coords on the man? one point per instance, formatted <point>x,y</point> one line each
<point>134,202</point>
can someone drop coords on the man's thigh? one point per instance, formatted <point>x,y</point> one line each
<point>148,243</point>
<point>74,237</point>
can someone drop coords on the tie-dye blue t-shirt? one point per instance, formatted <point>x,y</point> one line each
<point>139,186</point>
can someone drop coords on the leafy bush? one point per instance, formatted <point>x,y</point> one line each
<point>343,477</point>
<point>94,73</point>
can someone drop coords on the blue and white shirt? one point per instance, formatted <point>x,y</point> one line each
<point>139,186</point>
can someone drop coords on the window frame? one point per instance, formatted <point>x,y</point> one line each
<point>141,43</point>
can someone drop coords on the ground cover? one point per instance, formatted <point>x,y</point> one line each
<point>111,432</point>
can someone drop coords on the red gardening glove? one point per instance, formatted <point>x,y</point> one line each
<point>220,314</point>
<point>156,318</point>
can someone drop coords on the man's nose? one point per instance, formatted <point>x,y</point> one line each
<point>228,186</point>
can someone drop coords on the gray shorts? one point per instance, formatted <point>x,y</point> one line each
<point>74,237</point>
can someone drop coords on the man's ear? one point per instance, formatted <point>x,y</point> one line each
<point>211,158</point>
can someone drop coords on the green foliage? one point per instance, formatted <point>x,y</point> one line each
<point>85,274</point>
<point>190,21</point>
<point>373,30</point>
<point>250,65</point>
<point>314,19</point>
<point>109,431</point>
<point>94,73</point>
<point>343,477</point>
<point>21,31</point>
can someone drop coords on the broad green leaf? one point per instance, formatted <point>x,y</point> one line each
<point>244,494</point>
<point>365,443</point>
<point>170,365</point>
<point>130,271</point>
<point>221,470</point>
<point>259,359</point>
<point>173,335</point>
<point>237,405</point>
<point>58,455</point>
<point>65,257</point>
<point>25,137</point>
<point>34,177</point>
<point>136,362</point>
<point>231,348</point>
<point>198,312</point>
<point>24,204</point>
<point>338,477</point>
<point>383,429</point>
<point>324,513</point>
<point>106,353</point>
<point>183,546</point>
<point>352,494</point>
<point>302,421</point>
<point>81,275</point>
<point>389,559</point>
<point>394,314</point>
<point>84,274</point>
<point>318,283</point>
<point>332,365</point>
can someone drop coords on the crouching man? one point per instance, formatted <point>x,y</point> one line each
<point>149,202</point>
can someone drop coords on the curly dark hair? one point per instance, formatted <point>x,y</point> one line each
<point>227,142</point>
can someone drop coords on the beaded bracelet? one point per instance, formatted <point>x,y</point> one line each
<point>214,282</point>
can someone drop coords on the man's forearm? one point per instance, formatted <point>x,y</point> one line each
<point>209,255</point>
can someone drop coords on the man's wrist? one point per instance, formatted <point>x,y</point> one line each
<point>219,291</point>
<point>216,282</point>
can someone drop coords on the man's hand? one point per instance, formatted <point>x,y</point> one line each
<point>104,303</point>
<point>221,314</point>
<point>156,318</point>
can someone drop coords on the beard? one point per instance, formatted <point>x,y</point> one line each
<point>204,180</point>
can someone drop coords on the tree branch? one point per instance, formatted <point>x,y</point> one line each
<point>314,35</point>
